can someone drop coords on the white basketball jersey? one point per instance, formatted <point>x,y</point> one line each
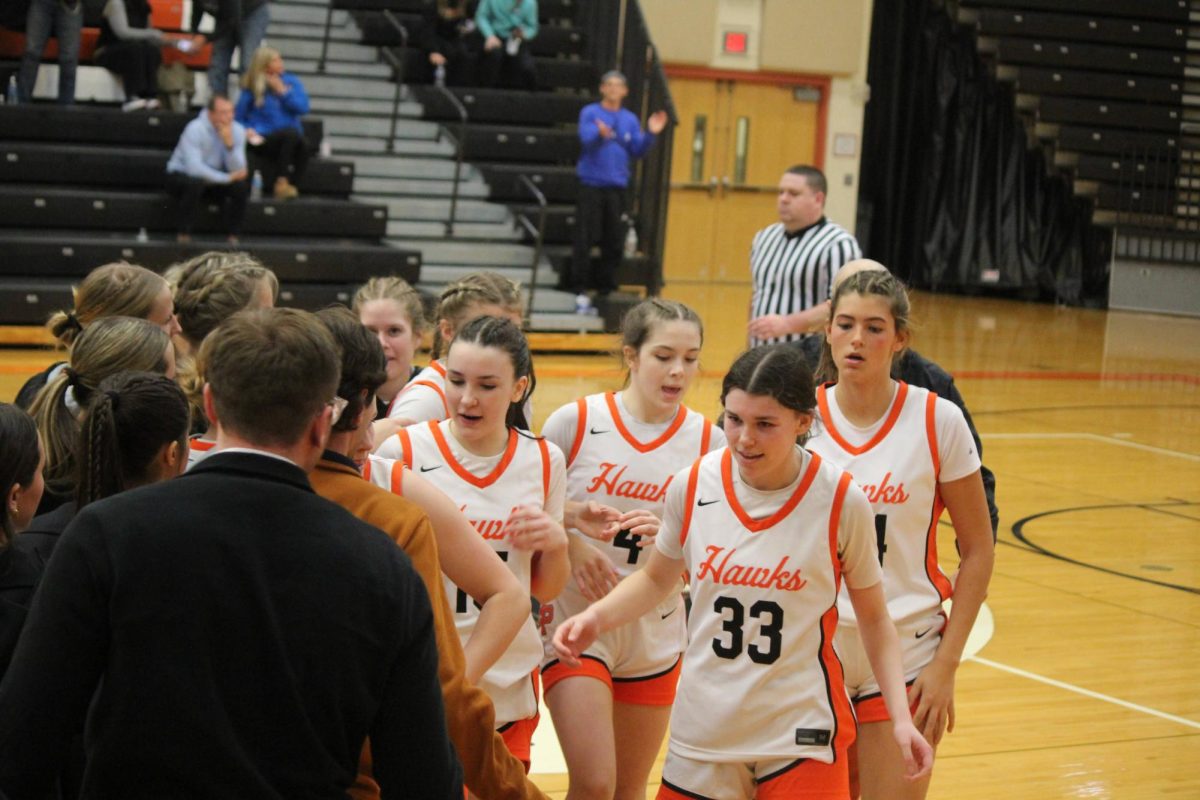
<point>609,465</point>
<point>760,676</point>
<point>424,397</point>
<point>386,473</point>
<point>898,470</point>
<point>522,477</point>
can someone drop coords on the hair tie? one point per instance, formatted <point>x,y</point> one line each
<point>72,376</point>
<point>74,322</point>
<point>114,398</point>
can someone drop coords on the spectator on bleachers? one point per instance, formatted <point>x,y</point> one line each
<point>111,290</point>
<point>610,136</point>
<point>241,24</point>
<point>449,36</point>
<point>270,106</point>
<point>65,19</point>
<point>507,27</point>
<point>210,159</point>
<point>132,49</point>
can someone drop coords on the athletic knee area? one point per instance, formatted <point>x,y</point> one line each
<point>593,784</point>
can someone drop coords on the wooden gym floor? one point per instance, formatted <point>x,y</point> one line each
<point>1085,685</point>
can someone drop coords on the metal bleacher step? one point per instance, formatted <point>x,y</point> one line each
<point>475,255</point>
<point>314,28</point>
<point>356,71</point>
<point>326,106</point>
<point>292,48</point>
<point>306,13</point>
<point>338,125</point>
<point>400,229</point>
<point>332,84</point>
<point>394,166</point>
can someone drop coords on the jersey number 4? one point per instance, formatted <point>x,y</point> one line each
<point>629,542</point>
<point>460,605</point>
<point>881,535</point>
<point>770,617</point>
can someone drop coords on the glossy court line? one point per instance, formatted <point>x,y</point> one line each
<point>1096,437</point>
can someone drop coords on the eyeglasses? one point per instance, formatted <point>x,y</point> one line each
<point>338,404</point>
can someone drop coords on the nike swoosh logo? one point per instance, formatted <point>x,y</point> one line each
<point>430,469</point>
<point>703,503</point>
<point>596,431</point>
<point>922,633</point>
<point>669,613</point>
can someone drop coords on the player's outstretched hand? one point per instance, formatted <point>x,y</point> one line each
<point>596,521</point>
<point>933,695</point>
<point>917,753</point>
<point>640,522</point>
<point>592,570</point>
<point>657,122</point>
<point>576,635</point>
<point>531,528</point>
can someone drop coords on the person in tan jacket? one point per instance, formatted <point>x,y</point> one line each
<point>490,770</point>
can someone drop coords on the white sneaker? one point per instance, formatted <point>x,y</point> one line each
<point>136,104</point>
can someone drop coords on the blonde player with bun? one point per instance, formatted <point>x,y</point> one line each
<point>391,309</point>
<point>623,448</point>
<point>510,485</point>
<point>914,456</point>
<point>119,289</point>
<point>480,294</point>
<point>767,533</point>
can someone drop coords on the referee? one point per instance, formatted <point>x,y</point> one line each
<point>792,262</point>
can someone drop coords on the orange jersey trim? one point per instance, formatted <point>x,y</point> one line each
<point>706,437</point>
<point>510,450</point>
<point>437,367</point>
<point>880,435</point>
<point>689,502</point>
<point>940,582</point>
<point>642,447</point>
<point>757,525</point>
<point>405,447</point>
<point>200,445</point>
<point>545,470</point>
<point>843,712</point>
<point>398,478</point>
<point>580,426</point>
<point>931,433</point>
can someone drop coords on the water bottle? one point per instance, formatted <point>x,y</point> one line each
<point>142,236</point>
<point>256,186</point>
<point>10,94</point>
<point>583,303</point>
<point>439,75</point>
<point>631,242</point>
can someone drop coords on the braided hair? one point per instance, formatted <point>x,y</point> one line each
<point>119,289</point>
<point>478,288</point>
<point>131,418</point>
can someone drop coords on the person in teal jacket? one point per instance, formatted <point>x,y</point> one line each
<point>270,106</point>
<point>507,27</point>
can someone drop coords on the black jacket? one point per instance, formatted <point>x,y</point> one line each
<point>241,637</point>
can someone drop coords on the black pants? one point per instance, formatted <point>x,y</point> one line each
<point>498,68</point>
<point>597,217</point>
<point>188,191</point>
<point>282,154</point>
<point>136,62</point>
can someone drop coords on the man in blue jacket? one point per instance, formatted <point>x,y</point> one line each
<point>210,159</point>
<point>610,137</point>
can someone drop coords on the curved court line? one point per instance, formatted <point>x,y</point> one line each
<point>1070,687</point>
<point>1018,530</point>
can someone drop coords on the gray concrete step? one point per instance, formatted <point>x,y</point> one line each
<point>376,145</point>
<point>564,320</point>
<point>401,187</point>
<point>306,14</point>
<point>315,29</point>
<point>336,84</point>
<point>473,254</point>
<point>356,71</point>
<point>292,48</point>
<point>414,209</point>
<point>381,107</point>
<point>473,231</point>
<point>421,168</point>
<point>373,126</point>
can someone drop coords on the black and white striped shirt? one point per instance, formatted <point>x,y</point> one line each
<point>795,272</point>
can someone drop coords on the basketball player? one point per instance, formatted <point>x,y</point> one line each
<point>913,455</point>
<point>767,532</point>
<point>510,484</point>
<point>391,309</point>
<point>611,712</point>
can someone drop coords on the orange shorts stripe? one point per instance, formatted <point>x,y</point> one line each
<point>518,738</point>
<point>807,779</point>
<point>872,708</point>
<point>650,690</point>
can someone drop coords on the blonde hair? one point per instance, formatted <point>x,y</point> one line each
<point>868,282</point>
<point>478,288</point>
<point>214,286</point>
<point>119,289</point>
<point>397,290</point>
<point>106,347</point>
<point>255,79</point>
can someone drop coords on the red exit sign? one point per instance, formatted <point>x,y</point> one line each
<point>735,42</point>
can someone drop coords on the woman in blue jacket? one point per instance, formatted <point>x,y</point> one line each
<point>270,107</point>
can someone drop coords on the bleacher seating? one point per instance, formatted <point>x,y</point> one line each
<point>1105,84</point>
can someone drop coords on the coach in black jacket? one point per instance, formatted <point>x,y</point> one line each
<point>230,634</point>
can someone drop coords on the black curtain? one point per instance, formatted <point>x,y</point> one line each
<point>950,187</point>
